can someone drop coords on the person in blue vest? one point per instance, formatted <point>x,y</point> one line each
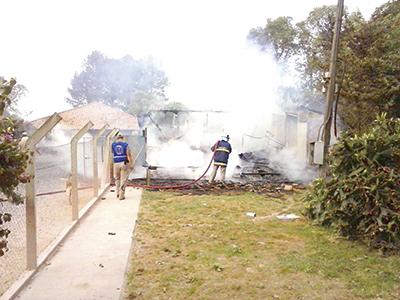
<point>221,150</point>
<point>122,160</point>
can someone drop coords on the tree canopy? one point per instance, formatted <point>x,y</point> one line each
<point>17,91</point>
<point>127,83</point>
<point>369,59</point>
<point>280,34</point>
<point>372,82</point>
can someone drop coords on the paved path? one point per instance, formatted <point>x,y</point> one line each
<point>91,263</point>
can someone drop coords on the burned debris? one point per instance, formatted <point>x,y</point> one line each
<point>255,173</point>
<point>255,166</point>
<point>273,190</point>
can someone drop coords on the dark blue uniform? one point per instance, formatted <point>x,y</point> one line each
<point>222,150</point>
<point>120,151</point>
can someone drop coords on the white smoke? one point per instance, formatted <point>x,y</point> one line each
<point>55,150</point>
<point>244,84</point>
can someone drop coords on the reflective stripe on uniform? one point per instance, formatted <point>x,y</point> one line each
<point>222,149</point>
<point>220,164</point>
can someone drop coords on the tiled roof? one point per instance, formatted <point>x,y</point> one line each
<point>99,113</point>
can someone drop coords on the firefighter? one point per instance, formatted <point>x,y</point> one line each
<point>122,159</point>
<point>222,150</point>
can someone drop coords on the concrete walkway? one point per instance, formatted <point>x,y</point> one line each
<point>91,263</point>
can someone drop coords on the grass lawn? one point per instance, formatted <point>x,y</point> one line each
<point>205,247</point>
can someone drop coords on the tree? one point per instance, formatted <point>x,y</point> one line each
<point>308,41</point>
<point>368,66</point>
<point>371,84</point>
<point>12,160</point>
<point>18,91</point>
<point>143,102</point>
<point>126,83</point>
<point>280,34</point>
<point>307,44</point>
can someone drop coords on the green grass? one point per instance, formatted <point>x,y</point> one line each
<point>205,247</point>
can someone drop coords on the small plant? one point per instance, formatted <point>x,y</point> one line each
<point>361,198</point>
<point>218,268</point>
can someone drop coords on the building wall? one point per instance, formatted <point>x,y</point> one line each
<point>278,128</point>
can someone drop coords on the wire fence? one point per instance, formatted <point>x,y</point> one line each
<point>12,264</point>
<point>137,145</point>
<point>53,194</point>
<point>85,171</point>
<point>53,210</point>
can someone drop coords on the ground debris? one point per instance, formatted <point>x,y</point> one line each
<point>288,217</point>
<point>251,214</point>
<point>255,173</point>
<point>218,268</point>
<point>288,187</point>
<point>261,187</point>
<point>256,165</point>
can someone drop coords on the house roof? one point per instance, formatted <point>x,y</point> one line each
<point>99,113</point>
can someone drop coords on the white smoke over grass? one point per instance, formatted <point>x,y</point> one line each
<point>244,84</point>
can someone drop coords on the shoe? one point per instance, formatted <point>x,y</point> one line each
<point>123,198</point>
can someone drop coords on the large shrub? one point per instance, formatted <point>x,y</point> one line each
<point>361,197</point>
<point>12,161</point>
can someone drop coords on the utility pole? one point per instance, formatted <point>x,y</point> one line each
<point>331,86</point>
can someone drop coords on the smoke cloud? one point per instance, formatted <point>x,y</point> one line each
<point>244,85</point>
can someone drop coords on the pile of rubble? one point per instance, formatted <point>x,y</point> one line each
<point>219,188</point>
<point>255,166</point>
<point>274,190</point>
<point>255,173</point>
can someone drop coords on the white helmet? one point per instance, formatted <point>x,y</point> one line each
<point>225,137</point>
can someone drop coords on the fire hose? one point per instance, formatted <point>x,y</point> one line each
<point>179,186</point>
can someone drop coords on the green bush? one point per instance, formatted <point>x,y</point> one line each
<point>361,196</point>
<point>12,161</point>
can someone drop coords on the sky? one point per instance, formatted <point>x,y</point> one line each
<point>201,45</point>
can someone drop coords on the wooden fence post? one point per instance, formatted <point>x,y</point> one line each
<point>145,144</point>
<point>30,205</point>
<point>94,161</point>
<point>107,157</point>
<point>74,168</point>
